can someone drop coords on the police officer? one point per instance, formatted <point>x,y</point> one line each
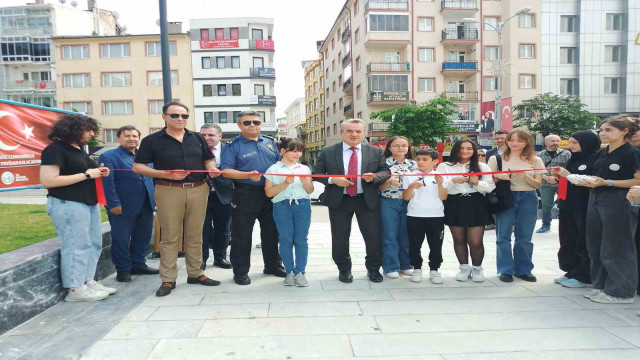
<point>249,155</point>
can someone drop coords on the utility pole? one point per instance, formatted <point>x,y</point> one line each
<point>164,47</point>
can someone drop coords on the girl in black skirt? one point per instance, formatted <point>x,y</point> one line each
<point>465,210</point>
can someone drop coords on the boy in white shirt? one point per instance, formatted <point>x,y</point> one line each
<point>425,214</point>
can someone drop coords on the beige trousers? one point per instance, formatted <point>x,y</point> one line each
<point>181,211</point>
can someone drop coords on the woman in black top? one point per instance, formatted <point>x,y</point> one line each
<point>68,174</point>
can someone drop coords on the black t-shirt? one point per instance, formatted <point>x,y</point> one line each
<point>167,153</point>
<point>621,164</point>
<point>71,161</point>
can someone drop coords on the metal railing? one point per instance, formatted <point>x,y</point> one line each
<point>467,95</point>
<point>378,127</point>
<point>346,83</point>
<point>382,66</point>
<point>346,33</point>
<point>346,58</point>
<point>460,34</point>
<point>386,5</point>
<point>348,108</point>
<point>459,65</point>
<point>32,85</point>
<point>460,4</point>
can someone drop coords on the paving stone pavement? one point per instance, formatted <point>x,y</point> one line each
<point>395,319</point>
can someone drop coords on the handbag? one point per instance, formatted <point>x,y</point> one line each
<point>501,198</point>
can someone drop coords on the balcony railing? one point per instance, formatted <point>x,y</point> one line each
<point>346,58</point>
<point>386,5</point>
<point>348,108</point>
<point>380,66</point>
<point>346,83</point>
<point>388,96</point>
<point>378,127</point>
<point>460,4</point>
<point>467,95</point>
<point>31,85</point>
<point>19,30</point>
<point>460,34</point>
<point>345,34</point>
<point>459,65</point>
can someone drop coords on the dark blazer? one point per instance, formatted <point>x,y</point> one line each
<point>222,184</point>
<point>125,188</point>
<point>487,126</point>
<point>330,162</point>
<point>491,152</point>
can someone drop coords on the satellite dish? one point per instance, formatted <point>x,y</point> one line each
<point>74,3</point>
<point>116,15</point>
<point>62,1</point>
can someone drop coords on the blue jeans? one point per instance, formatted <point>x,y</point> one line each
<point>520,220</point>
<point>395,239</point>
<point>546,194</point>
<point>293,221</point>
<point>79,228</point>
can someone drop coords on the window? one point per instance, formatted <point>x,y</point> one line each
<point>527,20</point>
<point>155,78</point>
<point>358,92</point>
<point>258,62</point>
<point>425,24</point>
<point>491,53</point>
<point>114,50</point>
<point>77,80</point>
<point>389,83</point>
<point>263,116</point>
<point>357,35</point>
<point>568,55</point>
<point>612,53</point>
<point>527,51</point>
<point>84,107</point>
<point>333,65</point>
<point>219,33</point>
<point>355,7</point>
<point>333,87</point>
<point>612,85</point>
<point>258,89</point>
<point>333,44</point>
<point>208,117</point>
<point>568,23</point>
<point>75,52</point>
<point>207,90</point>
<point>235,116</point>
<point>335,128</point>
<point>155,106</point>
<point>334,107</point>
<point>388,23</point>
<point>222,117</point>
<point>110,135</point>
<point>236,90</point>
<point>235,62</point>
<point>206,62</point>
<point>219,62</point>
<point>204,34</point>
<point>568,86</point>
<point>358,63</point>
<point>359,114</point>
<point>256,34</point>
<point>154,48</point>
<point>615,22</point>
<point>222,90</point>
<point>426,55</point>
<point>491,23</point>
<point>490,83</point>
<point>116,79</point>
<point>235,33</point>
<point>117,107</point>
<point>527,82</point>
<point>426,85</point>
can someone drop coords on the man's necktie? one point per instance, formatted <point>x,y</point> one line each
<point>353,170</point>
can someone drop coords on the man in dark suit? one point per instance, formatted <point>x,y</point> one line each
<point>130,206</point>
<point>216,229</point>
<point>501,144</point>
<point>486,124</point>
<point>346,196</point>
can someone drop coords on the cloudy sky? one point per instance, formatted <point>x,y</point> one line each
<point>298,24</point>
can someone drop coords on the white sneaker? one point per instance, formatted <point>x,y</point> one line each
<point>465,272</point>
<point>94,285</point>
<point>301,280</point>
<point>591,293</point>
<point>477,275</point>
<point>416,277</point>
<point>289,280</point>
<point>392,275</point>
<point>85,294</point>
<point>603,298</point>
<point>435,277</point>
<point>407,272</point>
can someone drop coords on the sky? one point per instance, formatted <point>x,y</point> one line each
<point>298,24</point>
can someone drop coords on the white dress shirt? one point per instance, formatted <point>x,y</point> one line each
<point>485,183</point>
<point>346,156</point>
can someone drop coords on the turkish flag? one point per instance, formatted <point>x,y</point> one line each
<point>506,117</point>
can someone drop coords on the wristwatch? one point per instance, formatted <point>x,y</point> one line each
<point>86,175</point>
<point>609,182</point>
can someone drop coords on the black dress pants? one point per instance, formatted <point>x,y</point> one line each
<point>572,255</point>
<point>433,229</point>
<point>216,229</point>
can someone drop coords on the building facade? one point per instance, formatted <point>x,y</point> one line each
<point>233,71</point>
<point>590,50</point>
<point>314,104</point>
<point>282,127</point>
<point>383,53</point>
<point>27,59</point>
<point>118,79</point>
<point>295,114</point>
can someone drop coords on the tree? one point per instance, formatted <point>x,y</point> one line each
<point>554,114</point>
<point>428,122</point>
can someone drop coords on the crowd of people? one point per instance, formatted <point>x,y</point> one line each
<point>208,196</point>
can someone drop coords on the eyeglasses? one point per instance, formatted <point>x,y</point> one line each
<point>175,116</point>
<point>482,155</point>
<point>249,122</point>
<point>400,146</point>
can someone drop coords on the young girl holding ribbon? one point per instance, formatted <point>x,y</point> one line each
<point>291,208</point>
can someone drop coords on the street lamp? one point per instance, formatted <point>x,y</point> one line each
<point>499,28</point>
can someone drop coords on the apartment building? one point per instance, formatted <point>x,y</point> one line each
<point>315,110</point>
<point>233,71</point>
<point>589,50</point>
<point>296,122</point>
<point>282,127</point>
<point>383,53</point>
<point>118,79</point>
<point>27,59</point>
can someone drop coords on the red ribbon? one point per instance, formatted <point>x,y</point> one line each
<point>102,199</point>
<point>562,188</point>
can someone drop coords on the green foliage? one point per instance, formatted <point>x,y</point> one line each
<point>428,122</point>
<point>554,114</point>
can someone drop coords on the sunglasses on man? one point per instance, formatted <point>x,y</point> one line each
<point>175,116</point>
<point>249,122</point>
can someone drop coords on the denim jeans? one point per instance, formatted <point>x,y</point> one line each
<point>546,194</point>
<point>293,220</point>
<point>79,228</point>
<point>521,221</point>
<point>395,239</point>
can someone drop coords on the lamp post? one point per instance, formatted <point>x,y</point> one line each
<point>499,28</point>
<point>164,51</point>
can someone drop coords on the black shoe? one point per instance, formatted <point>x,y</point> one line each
<point>222,263</point>
<point>145,271</point>
<point>203,280</point>
<point>528,277</point>
<point>123,276</point>
<point>203,266</point>
<point>165,288</point>
<point>242,279</point>
<point>345,276</point>
<point>374,276</point>
<point>506,278</point>
<point>275,272</point>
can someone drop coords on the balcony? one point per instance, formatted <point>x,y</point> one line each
<point>31,86</point>
<point>261,72</point>
<point>462,96</point>
<point>394,67</point>
<point>460,34</point>
<point>388,96</point>
<point>378,129</point>
<point>345,34</point>
<point>348,109</point>
<point>465,5</point>
<point>347,85</point>
<point>258,44</point>
<point>346,58</point>
<point>386,5</point>
<point>26,31</point>
<point>460,67</point>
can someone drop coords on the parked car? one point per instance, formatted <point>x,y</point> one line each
<point>318,191</point>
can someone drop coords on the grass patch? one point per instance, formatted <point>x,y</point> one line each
<point>23,225</point>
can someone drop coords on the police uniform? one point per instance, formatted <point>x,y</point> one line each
<point>249,202</point>
<point>611,222</point>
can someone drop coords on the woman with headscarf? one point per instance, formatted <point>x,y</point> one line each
<point>572,216</point>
